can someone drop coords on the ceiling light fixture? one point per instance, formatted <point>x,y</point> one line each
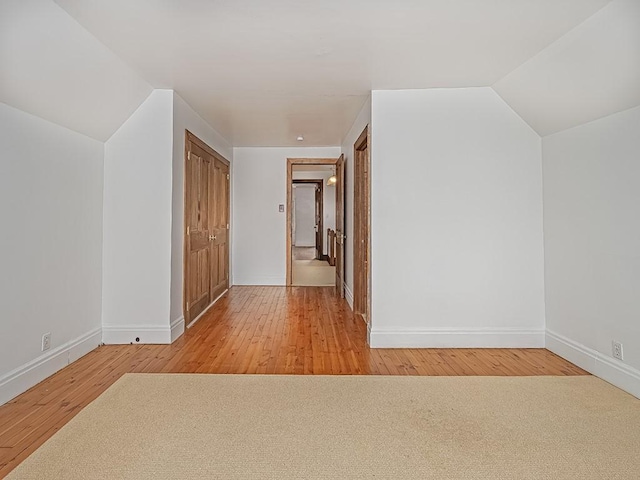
<point>300,138</point>
<point>332,180</point>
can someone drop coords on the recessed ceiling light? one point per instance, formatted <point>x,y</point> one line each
<point>300,138</point>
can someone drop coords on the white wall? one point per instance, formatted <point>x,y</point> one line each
<point>304,221</point>
<point>592,239</point>
<point>259,186</point>
<point>137,225</point>
<point>50,248</point>
<point>362,120</point>
<point>588,73</point>
<point>457,247</point>
<point>328,201</point>
<point>185,118</point>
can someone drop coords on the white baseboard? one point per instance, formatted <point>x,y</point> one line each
<point>266,281</point>
<point>348,295</point>
<point>485,338</point>
<point>607,368</point>
<point>23,378</point>
<point>123,334</point>
<point>177,328</point>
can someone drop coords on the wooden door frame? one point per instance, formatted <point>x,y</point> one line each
<point>363,141</point>
<point>320,183</point>
<point>191,138</point>
<point>290,163</point>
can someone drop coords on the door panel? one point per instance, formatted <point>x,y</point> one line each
<point>361,248</point>
<point>340,237</point>
<point>219,230</point>
<point>207,227</point>
<point>198,251</point>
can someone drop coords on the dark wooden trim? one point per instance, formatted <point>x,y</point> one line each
<point>363,139</point>
<point>190,137</point>
<point>185,221</point>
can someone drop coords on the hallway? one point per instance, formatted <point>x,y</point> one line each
<point>308,271</point>
<point>251,330</point>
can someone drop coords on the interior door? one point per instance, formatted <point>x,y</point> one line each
<point>206,269</point>
<point>340,236</point>
<point>219,228</point>
<point>198,249</point>
<point>361,248</point>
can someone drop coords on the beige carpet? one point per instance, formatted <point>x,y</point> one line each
<point>312,273</point>
<point>304,253</point>
<point>161,426</point>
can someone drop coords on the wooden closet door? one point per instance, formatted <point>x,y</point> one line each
<point>219,227</point>
<point>198,248</point>
<point>206,266</point>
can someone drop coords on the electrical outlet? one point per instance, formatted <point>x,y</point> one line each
<point>46,341</point>
<point>617,350</point>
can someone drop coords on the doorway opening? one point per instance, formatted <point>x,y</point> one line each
<point>312,194</point>
<point>308,214</point>
<point>310,261</point>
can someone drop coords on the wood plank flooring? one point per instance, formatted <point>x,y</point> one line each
<point>257,330</point>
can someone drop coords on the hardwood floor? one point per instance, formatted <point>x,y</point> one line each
<point>258,330</point>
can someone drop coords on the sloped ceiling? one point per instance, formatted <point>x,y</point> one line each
<point>52,67</point>
<point>591,72</point>
<point>263,72</point>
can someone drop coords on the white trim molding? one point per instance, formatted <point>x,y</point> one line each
<point>348,295</point>
<point>603,366</point>
<point>23,378</point>
<point>123,334</point>
<point>177,328</point>
<point>457,338</point>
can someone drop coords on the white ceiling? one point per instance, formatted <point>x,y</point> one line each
<point>53,68</point>
<point>591,72</point>
<point>263,72</point>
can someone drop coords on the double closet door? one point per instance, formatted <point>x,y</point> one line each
<point>207,227</point>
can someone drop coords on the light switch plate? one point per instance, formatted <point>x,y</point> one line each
<point>281,208</point>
